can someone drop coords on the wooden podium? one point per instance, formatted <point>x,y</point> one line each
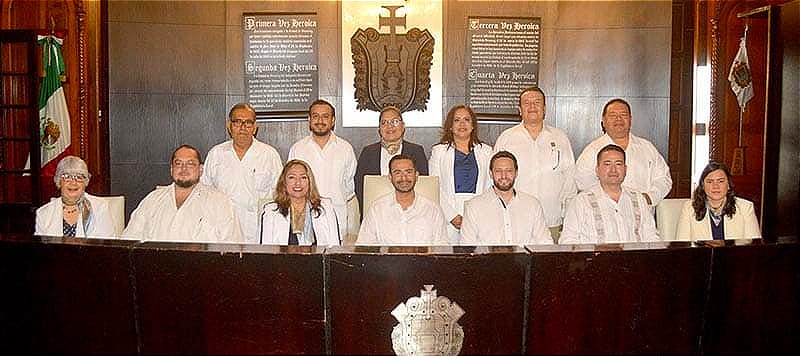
<point>124,297</point>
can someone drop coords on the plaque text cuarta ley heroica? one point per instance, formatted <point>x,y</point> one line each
<point>392,68</point>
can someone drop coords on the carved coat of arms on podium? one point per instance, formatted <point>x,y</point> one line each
<point>427,325</point>
<point>392,68</point>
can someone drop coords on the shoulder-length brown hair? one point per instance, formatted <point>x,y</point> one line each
<point>281,196</point>
<point>699,197</point>
<point>446,137</point>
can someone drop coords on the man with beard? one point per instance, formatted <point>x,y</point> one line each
<point>609,212</point>
<point>331,158</point>
<point>244,168</point>
<point>185,210</point>
<point>403,217</point>
<point>374,158</point>
<point>648,174</point>
<point>503,215</point>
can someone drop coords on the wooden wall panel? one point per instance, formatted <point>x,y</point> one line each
<point>753,301</point>
<point>644,303</point>
<point>67,296</point>
<point>159,101</point>
<point>193,299</point>
<point>79,296</point>
<point>681,98</point>
<point>366,286</point>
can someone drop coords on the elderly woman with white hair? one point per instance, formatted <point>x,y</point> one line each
<point>75,213</point>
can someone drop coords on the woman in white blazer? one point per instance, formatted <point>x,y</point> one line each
<point>74,213</point>
<point>461,161</point>
<point>714,212</point>
<point>298,215</point>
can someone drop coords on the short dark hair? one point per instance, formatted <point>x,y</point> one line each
<point>196,152</point>
<point>322,102</point>
<point>531,89</point>
<point>402,157</point>
<point>503,154</point>
<point>616,100</point>
<point>610,147</point>
<point>241,106</point>
<point>605,108</point>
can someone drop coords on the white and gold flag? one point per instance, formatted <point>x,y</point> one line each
<point>740,76</point>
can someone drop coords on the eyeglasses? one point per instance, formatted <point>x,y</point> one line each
<point>75,177</point>
<point>187,164</point>
<point>245,123</point>
<point>393,122</point>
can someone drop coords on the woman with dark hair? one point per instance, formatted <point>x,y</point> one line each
<point>461,161</point>
<point>715,212</point>
<point>298,215</point>
<point>75,213</point>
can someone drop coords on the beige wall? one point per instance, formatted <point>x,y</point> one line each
<point>175,67</point>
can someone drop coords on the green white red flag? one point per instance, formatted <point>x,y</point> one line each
<point>54,126</point>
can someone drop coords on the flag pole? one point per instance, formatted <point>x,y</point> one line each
<point>737,166</point>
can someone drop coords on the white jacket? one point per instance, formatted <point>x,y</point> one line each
<point>275,226</point>
<point>743,224</point>
<point>50,217</point>
<point>441,164</point>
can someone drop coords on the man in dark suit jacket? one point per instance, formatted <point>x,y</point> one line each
<point>391,129</point>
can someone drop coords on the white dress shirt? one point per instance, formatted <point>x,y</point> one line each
<point>207,215</point>
<point>489,221</point>
<point>441,165</point>
<point>546,167</point>
<point>334,167</point>
<point>387,224</point>
<point>386,157</point>
<point>246,181</point>
<point>275,226</point>
<point>50,219</point>
<point>647,170</point>
<point>593,217</point>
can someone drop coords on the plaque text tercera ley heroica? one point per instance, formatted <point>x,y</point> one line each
<point>392,68</point>
<point>427,325</point>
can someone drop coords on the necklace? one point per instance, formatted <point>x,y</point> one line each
<point>71,209</point>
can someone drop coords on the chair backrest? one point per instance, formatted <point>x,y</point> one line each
<point>667,213</point>
<point>378,186</point>
<point>116,204</point>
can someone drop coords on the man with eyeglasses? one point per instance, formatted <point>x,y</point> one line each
<point>331,158</point>
<point>186,210</point>
<point>244,168</point>
<point>403,217</point>
<point>647,171</point>
<point>374,158</point>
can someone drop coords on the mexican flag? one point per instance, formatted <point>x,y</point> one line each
<point>54,127</point>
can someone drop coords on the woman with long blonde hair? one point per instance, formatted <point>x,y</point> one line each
<point>298,215</point>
